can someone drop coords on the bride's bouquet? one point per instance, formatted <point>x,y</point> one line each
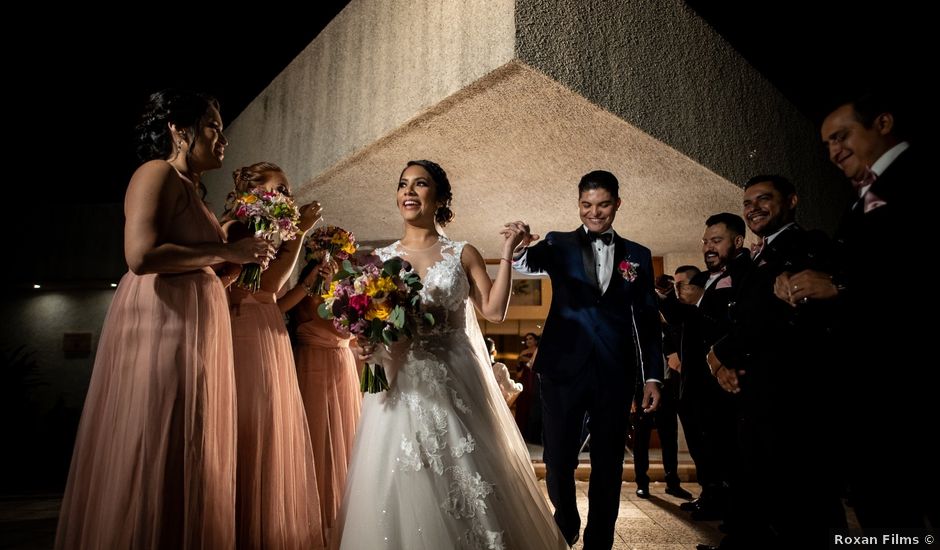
<point>268,214</point>
<point>379,304</point>
<point>336,241</point>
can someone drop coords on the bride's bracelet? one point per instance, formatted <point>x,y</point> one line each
<point>309,289</point>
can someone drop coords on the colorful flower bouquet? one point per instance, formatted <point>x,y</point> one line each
<point>336,241</point>
<point>268,214</point>
<point>377,303</point>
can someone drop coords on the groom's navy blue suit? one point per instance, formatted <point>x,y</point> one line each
<point>595,347</point>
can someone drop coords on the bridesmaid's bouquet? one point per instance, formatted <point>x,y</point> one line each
<point>336,241</point>
<point>377,303</point>
<point>268,214</point>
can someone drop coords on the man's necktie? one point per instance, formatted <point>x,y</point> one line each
<point>870,201</point>
<point>867,179</point>
<point>606,237</point>
<point>757,247</point>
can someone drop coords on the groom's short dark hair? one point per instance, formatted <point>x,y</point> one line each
<point>599,179</point>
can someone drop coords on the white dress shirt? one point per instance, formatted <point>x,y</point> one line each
<point>603,259</point>
<point>883,162</point>
<point>770,239</point>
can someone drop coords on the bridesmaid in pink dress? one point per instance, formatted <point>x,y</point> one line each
<point>277,503</point>
<point>329,384</point>
<point>154,459</point>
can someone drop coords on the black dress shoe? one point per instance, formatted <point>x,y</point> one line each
<point>643,492</point>
<point>690,506</point>
<point>678,492</point>
<point>707,513</point>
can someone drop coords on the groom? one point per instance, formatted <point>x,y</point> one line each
<point>602,334</point>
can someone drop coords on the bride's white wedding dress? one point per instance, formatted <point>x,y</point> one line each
<point>438,462</point>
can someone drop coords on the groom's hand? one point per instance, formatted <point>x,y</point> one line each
<point>650,397</point>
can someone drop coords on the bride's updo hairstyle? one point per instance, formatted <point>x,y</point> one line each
<point>444,214</point>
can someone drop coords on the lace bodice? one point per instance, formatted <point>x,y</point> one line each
<point>446,286</point>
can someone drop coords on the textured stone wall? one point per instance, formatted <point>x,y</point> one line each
<point>375,66</point>
<point>660,67</point>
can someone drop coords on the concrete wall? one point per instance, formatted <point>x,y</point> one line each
<point>515,144</point>
<point>379,63</point>
<point>674,260</point>
<point>660,67</point>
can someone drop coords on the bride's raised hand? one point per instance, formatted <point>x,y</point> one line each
<point>513,235</point>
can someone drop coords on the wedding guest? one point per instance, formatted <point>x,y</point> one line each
<point>529,404</point>
<point>643,423</point>
<point>509,388</point>
<point>665,420</point>
<point>773,352</point>
<point>727,262</point>
<point>708,412</point>
<point>526,356</point>
<point>867,139</point>
<point>154,460</point>
<point>329,384</point>
<point>277,499</point>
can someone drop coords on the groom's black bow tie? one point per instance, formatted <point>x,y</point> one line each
<point>606,237</point>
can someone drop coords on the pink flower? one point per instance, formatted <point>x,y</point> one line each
<point>359,302</point>
<point>628,270</point>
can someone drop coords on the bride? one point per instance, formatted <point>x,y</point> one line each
<point>438,461</point>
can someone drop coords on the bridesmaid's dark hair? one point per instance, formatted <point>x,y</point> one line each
<point>444,214</point>
<point>247,178</point>
<point>181,108</point>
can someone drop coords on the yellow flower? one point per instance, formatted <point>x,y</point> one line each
<point>378,311</point>
<point>381,285</point>
<point>248,198</point>
<point>329,293</point>
<point>349,248</point>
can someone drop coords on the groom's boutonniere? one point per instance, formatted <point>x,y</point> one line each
<point>628,270</point>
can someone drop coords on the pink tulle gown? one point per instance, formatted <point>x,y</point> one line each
<point>329,383</point>
<point>154,459</point>
<point>277,502</point>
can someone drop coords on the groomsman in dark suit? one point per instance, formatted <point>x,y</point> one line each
<point>708,412</point>
<point>601,335</point>
<point>773,358</point>
<point>891,484</point>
